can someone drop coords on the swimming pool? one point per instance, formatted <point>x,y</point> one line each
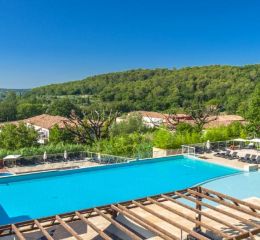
<point>43,194</point>
<point>4,174</point>
<point>242,186</point>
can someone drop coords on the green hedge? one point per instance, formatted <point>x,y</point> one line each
<point>173,140</point>
<point>169,140</point>
<point>133,145</point>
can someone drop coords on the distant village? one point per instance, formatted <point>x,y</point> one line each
<point>44,123</point>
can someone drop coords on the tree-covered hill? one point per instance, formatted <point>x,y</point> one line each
<point>163,89</point>
<point>4,91</point>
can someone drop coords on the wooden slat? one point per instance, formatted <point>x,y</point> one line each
<point>230,205</point>
<point>251,236</point>
<point>198,223</point>
<point>247,204</point>
<point>209,216</point>
<point>44,232</point>
<point>94,227</point>
<point>170,221</point>
<point>145,223</point>
<point>18,233</point>
<point>119,226</point>
<point>246,235</point>
<point>68,228</point>
<point>219,210</point>
<point>199,216</point>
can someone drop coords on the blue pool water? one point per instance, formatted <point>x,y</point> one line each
<point>3,174</point>
<point>44,194</point>
<point>242,186</point>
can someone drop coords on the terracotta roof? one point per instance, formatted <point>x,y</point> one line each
<point>229,118</point>
<point>225,120</point>
<point>160,115</point>
<point>222,120</point>
<point>44,121</point>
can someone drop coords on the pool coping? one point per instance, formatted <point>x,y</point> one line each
<point>198,159</point>
<point>246,168</point>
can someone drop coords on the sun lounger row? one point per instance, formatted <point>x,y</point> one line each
<point>250,159</point>
<point>234,155</point>
<point>227,154</point>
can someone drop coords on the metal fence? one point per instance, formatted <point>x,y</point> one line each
<point>200,148</point>
<point>70,157</point>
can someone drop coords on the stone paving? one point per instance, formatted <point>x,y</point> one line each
<point>52,166</point>
<point>234,163</point>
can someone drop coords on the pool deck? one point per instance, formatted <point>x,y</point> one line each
<point>88,233</point>
<point>4,170</point>
<point>50,167</point>
<point>209,157</point>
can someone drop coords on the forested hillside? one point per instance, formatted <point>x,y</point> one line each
<point>236,89</point>
<point>4,91</point>
<point>162,89</point>
<point>142,89</point>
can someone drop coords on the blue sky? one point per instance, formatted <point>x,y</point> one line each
<point>50,41</point>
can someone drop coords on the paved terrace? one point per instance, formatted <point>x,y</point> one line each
<point>209,157</point>
<point>164,216</point>
<point>51,166</point>
<point>234,163</point>
<point>85,159</point>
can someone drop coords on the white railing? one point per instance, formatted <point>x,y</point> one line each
<point>188,150</point>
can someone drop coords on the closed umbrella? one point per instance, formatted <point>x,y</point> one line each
<point>65,155</point>
<point>45,156</point>
<point>208,145</point>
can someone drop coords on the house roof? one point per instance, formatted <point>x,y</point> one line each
<point>225,120</point>
<point>160,115</point>
<point>44,121</point>
<point>230,118</point>
<point>221,120</point>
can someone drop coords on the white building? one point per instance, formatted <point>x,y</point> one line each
<point>43,124</point>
